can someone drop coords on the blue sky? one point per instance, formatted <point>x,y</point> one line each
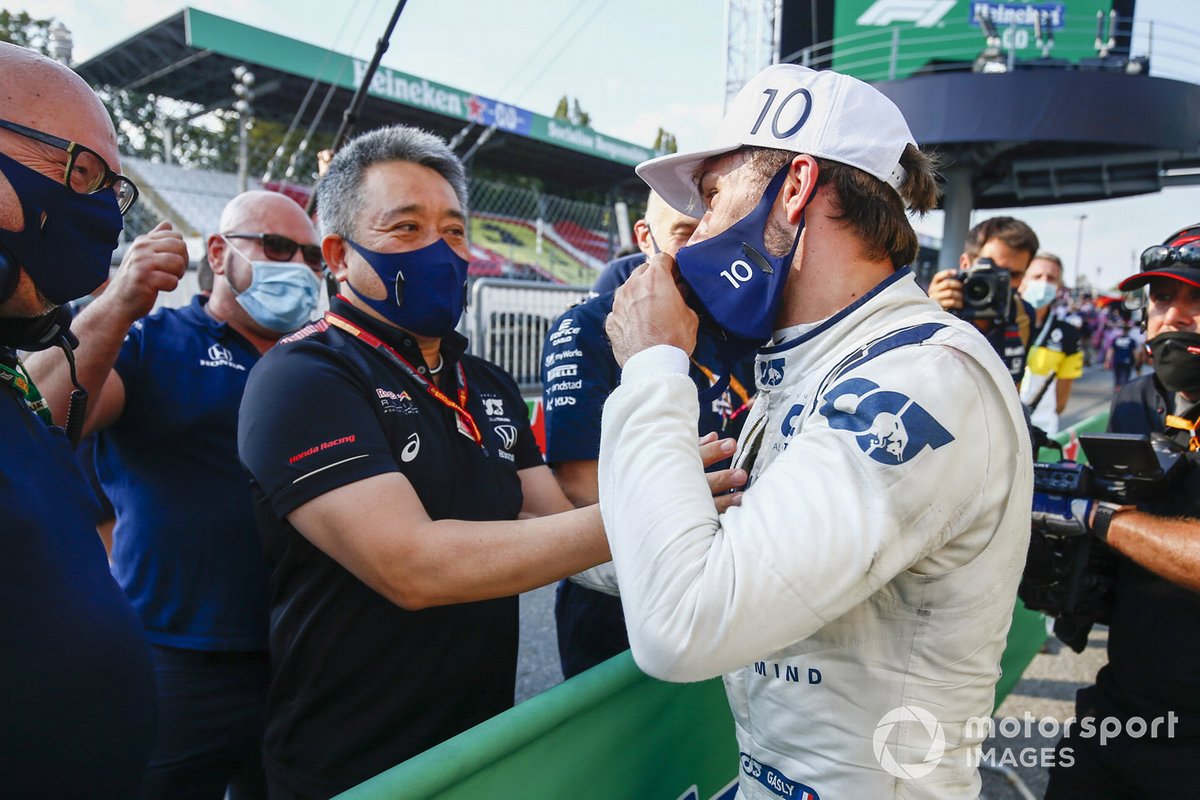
<point>635,65</point>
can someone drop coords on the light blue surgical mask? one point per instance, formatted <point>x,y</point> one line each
<point>282,295</point>
<point>1039,294</point>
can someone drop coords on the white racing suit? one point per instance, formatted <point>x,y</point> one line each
<point>858,599</point>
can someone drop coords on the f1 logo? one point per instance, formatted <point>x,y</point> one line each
<point>922,13</point>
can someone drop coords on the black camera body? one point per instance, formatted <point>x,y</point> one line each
<point>1070,574</point>
<point>987,291</point>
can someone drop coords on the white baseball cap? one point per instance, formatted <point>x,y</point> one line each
<point>789,107</point>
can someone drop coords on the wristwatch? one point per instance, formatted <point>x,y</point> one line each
<point>1102,518</point>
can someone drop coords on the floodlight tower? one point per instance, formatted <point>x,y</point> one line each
<point>752,31</point>
<point>243,90</point>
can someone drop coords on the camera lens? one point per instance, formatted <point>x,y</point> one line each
<point>977,292</point>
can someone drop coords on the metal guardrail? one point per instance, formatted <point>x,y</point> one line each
<point>509,321</point>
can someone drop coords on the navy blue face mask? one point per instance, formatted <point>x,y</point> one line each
<point>736,285</point>
<point>68,240</point>
<point>426,288</point>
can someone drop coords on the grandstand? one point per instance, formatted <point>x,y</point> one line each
<point>501,246</point>
<point>191,199</point>
<point>516,231</point>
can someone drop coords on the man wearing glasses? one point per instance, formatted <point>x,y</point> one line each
<point>1154,629</point>
<point>166,390</point>
<point>78,698</point>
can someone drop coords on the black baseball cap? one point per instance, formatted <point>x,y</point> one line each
<point>1177,257</point>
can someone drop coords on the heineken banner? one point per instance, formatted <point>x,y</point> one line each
<point>233,39</point>
<point>613,732</point>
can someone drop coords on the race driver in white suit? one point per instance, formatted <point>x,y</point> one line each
<point>858,598</point>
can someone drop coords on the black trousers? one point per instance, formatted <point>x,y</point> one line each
<point>1124,767</point>
<point>210,726</point>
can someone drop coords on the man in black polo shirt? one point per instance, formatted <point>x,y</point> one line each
<point>390,469</point>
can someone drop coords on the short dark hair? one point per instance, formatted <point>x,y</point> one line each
<point>339,195</point>
<point>1010,230</point>
<point>873,209</point>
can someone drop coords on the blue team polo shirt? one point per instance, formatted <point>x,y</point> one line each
<point>579,372</point>
<point>185,547</point>
<point>617,272</point>
<point>78,698</point>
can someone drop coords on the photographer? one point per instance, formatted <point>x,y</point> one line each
<point>1010,245</point>
<point>1152,646</point>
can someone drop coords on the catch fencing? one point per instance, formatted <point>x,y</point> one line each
<point>525,234</point>
<point>509,320</point>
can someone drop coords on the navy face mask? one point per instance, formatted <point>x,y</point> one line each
<point>426,288</point>
<point>68,240</point>
<point>736,285</point>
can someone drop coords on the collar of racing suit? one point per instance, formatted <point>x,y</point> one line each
<point>796,351</point>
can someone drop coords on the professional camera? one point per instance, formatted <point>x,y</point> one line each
<point>987,291</point>
<point>1069,574</point>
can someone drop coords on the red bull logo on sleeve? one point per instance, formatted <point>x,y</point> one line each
<point>892,428</point>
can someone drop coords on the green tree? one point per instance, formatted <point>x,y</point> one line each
<point>579,116</point>
<point>664,142</point>
<point>563,110</point>
<point>569,110</point>
<point>26,31</point>
<point>148,126</point>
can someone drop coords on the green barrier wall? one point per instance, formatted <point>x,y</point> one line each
<point>611,732</point>
<point>614,732</point>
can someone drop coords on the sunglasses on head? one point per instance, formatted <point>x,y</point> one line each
<point>1160,256</point>
<point>281,248</point>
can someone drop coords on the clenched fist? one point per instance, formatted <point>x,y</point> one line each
<point>153,263</point>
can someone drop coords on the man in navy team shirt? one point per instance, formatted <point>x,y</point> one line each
<point>1121,356</point>
<point>661,230</point>
<point>77,704</point>
<point>165,402</point>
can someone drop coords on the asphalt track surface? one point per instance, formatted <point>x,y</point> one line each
<point>1046,691</point>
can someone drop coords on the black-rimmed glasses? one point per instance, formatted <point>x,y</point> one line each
<point>281,248</point>
<point>1160,256</point>
<point>86,172</point>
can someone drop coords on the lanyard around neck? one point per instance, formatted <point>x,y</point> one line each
<point>466,423</point>
<point>1183,424</point>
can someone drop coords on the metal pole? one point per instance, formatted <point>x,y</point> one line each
<point>360,94</point>
<point>895,54</point>
<point>957,204</point>
<point>1079,248</point>
<point>243,177</point>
